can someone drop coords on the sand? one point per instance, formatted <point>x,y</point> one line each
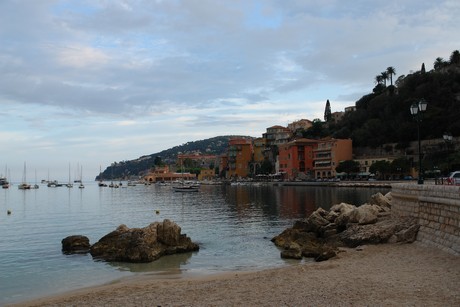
<point>374,275</point>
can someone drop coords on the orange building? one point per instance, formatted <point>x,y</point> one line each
<point>296,158</point>
<point>328,155</point>
<point>163,174</point>
<point>239,156</point>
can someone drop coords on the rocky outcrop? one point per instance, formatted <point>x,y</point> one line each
<point>75,245</point>
<point>134,244</point>
<point>143,244</point>
<point>323,232</point>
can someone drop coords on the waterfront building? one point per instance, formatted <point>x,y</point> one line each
<point>328,155</point>
<point>295,158</point>
<point>206,174</point>
<point>239,156</point>
<point>162,173</point>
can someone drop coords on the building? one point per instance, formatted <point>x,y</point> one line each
<point>239,157</point>
<point>295,158</point>
<point>206,174</point>
<point>328,155</point>
<point>337,116</point>
<point>276,135</point>
<point>162,173</point>
<point>300,124</point>
<point>366,162</point>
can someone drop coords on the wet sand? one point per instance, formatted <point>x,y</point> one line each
<point>375,275</point>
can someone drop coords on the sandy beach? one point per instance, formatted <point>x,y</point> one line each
<point>374,275</point>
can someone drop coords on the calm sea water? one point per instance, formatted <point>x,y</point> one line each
<point>232,224</point>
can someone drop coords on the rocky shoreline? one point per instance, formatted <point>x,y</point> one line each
<point>321,234</point>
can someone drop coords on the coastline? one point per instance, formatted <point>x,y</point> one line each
<point>382,275</point>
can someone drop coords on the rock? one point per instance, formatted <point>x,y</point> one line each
<point>291,254</point>
<point>380,200</point>
<point>367,214</point>
<point>322,234</point>
<point>317,220</point>
<point>326,255</point>
<point>408,235</point>
<point>342,208</point>
<point>76,244</point>
<point>142,244</point>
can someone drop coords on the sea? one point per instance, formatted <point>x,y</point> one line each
<point>233,225</point>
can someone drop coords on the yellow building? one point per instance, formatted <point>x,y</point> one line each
<point>206,174</point>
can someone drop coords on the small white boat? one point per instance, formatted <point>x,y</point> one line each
<point>185,188</point>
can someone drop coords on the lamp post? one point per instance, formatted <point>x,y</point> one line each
<point>448,139</point>
<point>417,109</point>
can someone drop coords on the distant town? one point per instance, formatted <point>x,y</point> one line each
<point>282,154</point>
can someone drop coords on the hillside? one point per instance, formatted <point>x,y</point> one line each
<point>212,146</point>
<point>383,116</point>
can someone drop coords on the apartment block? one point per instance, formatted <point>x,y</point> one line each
<point>239,156</point>
<point>328,155</point>
<point>295,158</point>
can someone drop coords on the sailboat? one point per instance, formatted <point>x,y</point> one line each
<point>24,185</point>
<point>35,186</point>
<point>182,186</point>
<point>69,185</point>
<point>81,185</point>
<point>101,183</point>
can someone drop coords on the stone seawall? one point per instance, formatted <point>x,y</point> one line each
<point>437,208</point>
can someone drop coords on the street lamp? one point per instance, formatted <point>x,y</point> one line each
<point>448,139</point>
<point>417,110</point>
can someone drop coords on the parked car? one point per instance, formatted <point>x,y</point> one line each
<point>454,178</point>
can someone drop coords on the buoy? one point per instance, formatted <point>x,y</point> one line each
<point>157,211</point>
<point>8,212</point>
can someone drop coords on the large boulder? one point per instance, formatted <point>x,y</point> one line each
<point>383,201</point>
<point>75,244</point>
<point>142,244</point>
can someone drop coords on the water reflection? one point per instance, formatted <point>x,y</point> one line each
<point>171,264</point>
<point>292,202</point>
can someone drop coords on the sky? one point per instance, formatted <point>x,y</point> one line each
<point>87,83</point>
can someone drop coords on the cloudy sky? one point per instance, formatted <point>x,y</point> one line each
<point>97,81</point>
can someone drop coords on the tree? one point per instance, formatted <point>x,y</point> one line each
<point>455,57</point>
<point>381,168</point>
<point>391,71</point>
<point>422,70</point>
<point>439,63</point>
<point>327,111</point>
<point>384,75</point>
<point>316,131</point>
<point>158,161</point>
<point>348,166</point>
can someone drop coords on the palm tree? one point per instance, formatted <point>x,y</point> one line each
<point>439,63</point>
<point>391,71</point>
<point>384,75</point>
<point>378,79</point>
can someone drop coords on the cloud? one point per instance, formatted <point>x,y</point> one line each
<point>161,73</point>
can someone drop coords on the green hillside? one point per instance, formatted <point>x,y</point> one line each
<point>212,146</point>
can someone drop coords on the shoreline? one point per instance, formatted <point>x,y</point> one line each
<point>384,275</point>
